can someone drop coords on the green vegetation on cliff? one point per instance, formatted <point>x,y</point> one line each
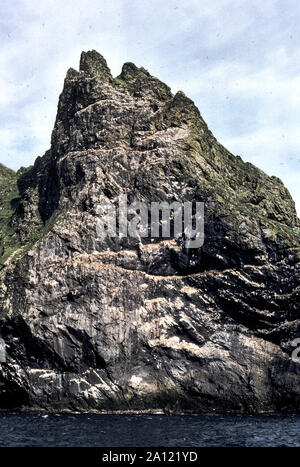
<point>9,195</point>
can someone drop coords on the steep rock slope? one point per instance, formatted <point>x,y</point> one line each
<point>138,324</point>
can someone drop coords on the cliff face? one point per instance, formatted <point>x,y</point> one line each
<point>131,323</point>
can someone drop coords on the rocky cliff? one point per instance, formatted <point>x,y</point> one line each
<point>130,323</point>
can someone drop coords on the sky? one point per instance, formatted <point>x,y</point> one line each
<point>239,60</point>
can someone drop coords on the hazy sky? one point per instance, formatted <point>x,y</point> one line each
<point>239,60</point>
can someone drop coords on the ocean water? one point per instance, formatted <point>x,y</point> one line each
<point>148,430</point>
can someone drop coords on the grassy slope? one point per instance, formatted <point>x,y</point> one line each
<point>9,194</point>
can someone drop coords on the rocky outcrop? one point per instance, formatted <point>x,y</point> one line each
<point>140,323</point>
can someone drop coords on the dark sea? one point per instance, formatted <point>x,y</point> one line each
<point>148,430</point>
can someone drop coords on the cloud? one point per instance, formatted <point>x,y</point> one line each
<point>238,62</point>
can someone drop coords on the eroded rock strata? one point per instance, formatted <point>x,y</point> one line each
<point>127,324</point>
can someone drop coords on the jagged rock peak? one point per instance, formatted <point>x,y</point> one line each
<point>109,323</point>
<point>130,71</point>
<point>140,82</point>
<point>94,63</point>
